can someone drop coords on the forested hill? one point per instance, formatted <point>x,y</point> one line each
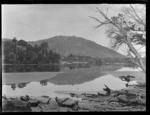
<point>66,45</point>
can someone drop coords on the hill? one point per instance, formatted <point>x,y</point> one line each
<point>66,45</point>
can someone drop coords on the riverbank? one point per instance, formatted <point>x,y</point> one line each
<point>129,99</point>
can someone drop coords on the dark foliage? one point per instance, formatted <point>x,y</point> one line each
<point>19,56</point>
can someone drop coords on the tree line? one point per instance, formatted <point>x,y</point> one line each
<point>20,56</point>
<point>71,59</point>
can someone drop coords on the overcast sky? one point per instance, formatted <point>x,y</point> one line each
<point>35,22</point>
<point>41,21</point>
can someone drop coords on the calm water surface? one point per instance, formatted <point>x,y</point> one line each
<point>46,87</point>
<point>49,89</point>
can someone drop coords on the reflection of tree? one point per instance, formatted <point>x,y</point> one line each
<point>44,82</point>
<point>22,85</point>
<point>13,86</point>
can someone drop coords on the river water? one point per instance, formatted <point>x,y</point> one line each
<point>44,88</point>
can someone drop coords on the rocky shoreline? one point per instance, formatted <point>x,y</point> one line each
<point>131,99</point>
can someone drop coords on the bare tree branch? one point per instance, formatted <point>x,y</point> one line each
<point>101,23</point>
<point>121,35</point>
<point>139,19</point>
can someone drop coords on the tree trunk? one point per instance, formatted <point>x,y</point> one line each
<point>138,57</point>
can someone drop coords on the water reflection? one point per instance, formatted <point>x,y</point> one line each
<point>44,82</point>
<point>82,82</point>
<point>49,89</point>
<point>22,85</point>
<point>13,86</point>
<point>73,78</point>
<point>19,85</point>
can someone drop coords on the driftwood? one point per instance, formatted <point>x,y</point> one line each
<point>126,97</point>
<point>126,78</point>
<point>108,91</point>
<point>34,103</point>
<point>101,94</point>
<point>26,98</point>
<point>89,95</point>
<point>48,101</point>
<point>65,103</point>
<point>123,97</point>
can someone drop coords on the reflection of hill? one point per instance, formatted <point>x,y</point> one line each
<point>72,78</point>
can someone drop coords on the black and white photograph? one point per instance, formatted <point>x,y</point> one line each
<point>73,57</point>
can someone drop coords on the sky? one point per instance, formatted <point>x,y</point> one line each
<point>41,21</point>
